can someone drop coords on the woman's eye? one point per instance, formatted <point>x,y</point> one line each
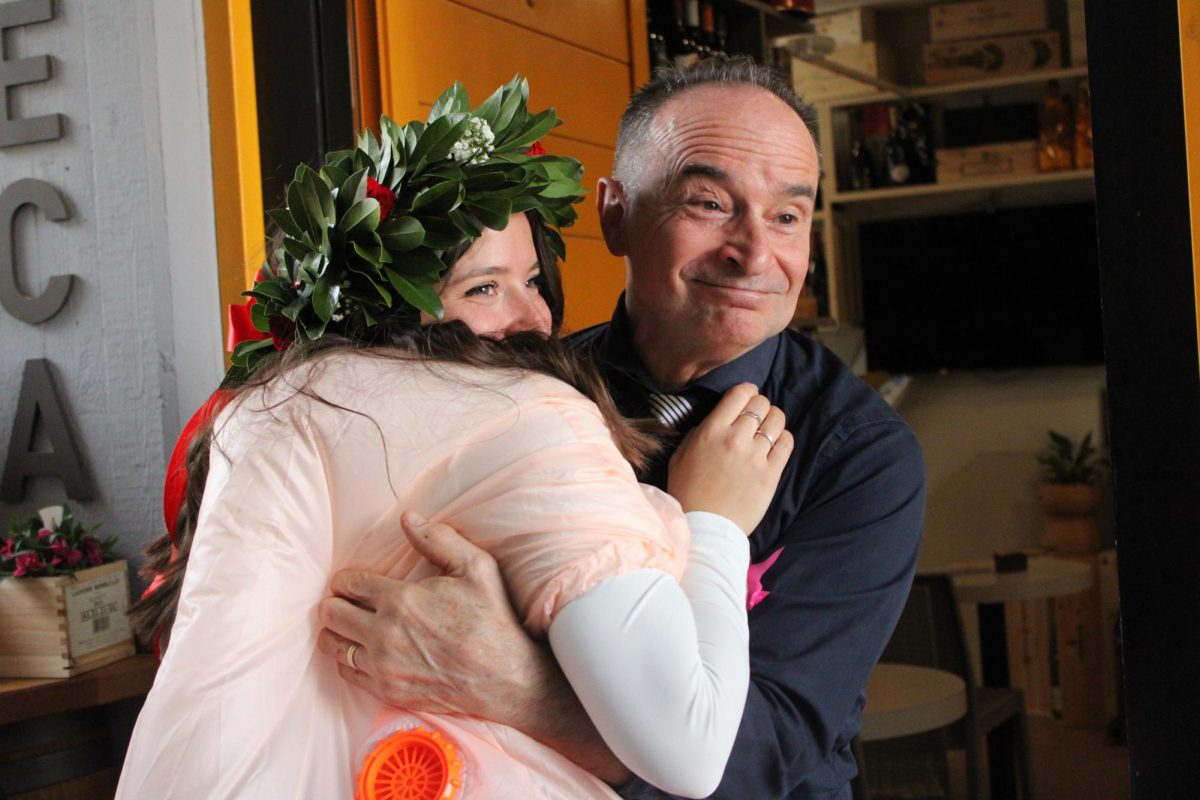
<point>483,290</point>
<point>710,205</point>
<point>533,283</point>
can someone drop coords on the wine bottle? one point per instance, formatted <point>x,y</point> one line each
<point>683,49</point>
<point>862,170</point>
<point>708,26</point>
<point>896,164</point>
<point>692,20</point>
<point>659,56</point>
<point>1084,157</point>
<point>1055,132</point>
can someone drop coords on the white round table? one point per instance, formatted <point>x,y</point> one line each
<point>903,699</point>
<point>1045,577</point>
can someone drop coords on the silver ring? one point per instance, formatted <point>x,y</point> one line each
<point>749,413</point>
<point>766,436</point>
<point>350,655</point>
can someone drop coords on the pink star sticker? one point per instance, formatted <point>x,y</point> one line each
<point>755,593</point>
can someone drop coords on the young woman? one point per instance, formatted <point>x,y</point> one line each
<point>483,422</point>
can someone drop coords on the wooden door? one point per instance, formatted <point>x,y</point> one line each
<point>578,57</point>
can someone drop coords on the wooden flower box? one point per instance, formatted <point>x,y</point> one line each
<point>61,626</point>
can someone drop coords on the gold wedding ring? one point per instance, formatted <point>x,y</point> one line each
<point>350,654</point>
<point>766,436</point>
<point>748,413</point>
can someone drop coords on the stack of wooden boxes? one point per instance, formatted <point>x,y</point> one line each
<point>989,38</point>
<point>855,47</point>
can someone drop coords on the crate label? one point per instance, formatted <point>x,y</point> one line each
<point>96,613</point>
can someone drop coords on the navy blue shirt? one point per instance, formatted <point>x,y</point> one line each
<point>843,532</point>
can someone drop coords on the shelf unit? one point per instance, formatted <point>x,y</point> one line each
<point>844,209</point>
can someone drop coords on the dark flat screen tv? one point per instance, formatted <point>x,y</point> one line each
<point>993,290</point>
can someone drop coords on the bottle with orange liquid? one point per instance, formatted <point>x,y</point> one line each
<point>1083,128</point>
<point>1056,134</point>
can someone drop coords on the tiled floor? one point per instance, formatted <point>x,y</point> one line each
<point>1076,763</point>
<point>1068,764</point>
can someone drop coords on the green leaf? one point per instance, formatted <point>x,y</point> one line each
<point>325,297</point>
<point>508,108</point>
<point>440,238</point>
<point>324,195</point>
<point>298,209</point>
<point>296,248</point>
<point>243,350</point>
<point>283,220</point>
<point>439,198</point>
<point>452,100</point>
<point>433,133</point>
<point>494,214</point>
<point>270,291</point>
<point>363,216</point>
<point>421,296</point>
<point>399,234</point>
<point>352,190</point>
<point>535,129</point>
<point>419,264</point>
<point>466,223</point>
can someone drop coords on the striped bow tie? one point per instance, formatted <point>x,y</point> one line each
<point>670,409</point>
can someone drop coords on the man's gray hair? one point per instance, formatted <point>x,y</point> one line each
<point>671,80</point>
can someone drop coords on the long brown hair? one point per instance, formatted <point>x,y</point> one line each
<point>399,338</point>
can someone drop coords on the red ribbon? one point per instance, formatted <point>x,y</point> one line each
<point>241,328</point>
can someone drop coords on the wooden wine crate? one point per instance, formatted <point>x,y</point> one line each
<point>981,18</point>
<point>62,626</point>
<point>980,59</point>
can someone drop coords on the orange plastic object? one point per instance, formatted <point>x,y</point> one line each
<point>416,764</point>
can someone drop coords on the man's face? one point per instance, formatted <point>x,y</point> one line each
<point>717,223</point>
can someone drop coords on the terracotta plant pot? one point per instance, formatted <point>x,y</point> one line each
<point>1069,499</point>
<point>1070,526</point>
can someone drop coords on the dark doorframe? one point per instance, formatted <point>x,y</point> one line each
<point>1149,311</point>
<point>303,81</point>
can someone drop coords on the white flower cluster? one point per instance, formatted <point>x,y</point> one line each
<point>475,144</point>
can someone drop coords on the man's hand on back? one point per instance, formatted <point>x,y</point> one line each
<point>452,644</point>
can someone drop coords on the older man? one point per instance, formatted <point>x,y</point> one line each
<point>711,205</point>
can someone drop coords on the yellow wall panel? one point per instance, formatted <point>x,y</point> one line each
<point>593,279</point>
<point>233,115</point>
<point>1189,45</point>
<point>424,45</point>
<point>598,25</point>
<point>428,44</point>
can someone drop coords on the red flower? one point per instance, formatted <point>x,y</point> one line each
<point>45,533</point>
<point>382,195</point>
<point>93,550</point>
<point>6,552</point>
<point>64,554</point>
<point>536,149</point>
<point>28,563</point>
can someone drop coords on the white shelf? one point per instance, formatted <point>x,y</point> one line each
<point>983,184</point>
<point>969,87</point>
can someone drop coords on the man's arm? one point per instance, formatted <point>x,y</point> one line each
<point>452,644</point>
<point>833,597</point>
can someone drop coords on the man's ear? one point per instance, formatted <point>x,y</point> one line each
<point>613,206</point>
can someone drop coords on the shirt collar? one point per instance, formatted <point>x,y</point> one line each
<point>616,351</point>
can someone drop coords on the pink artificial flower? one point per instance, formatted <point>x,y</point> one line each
<point>95,553</point>
<point>6,552</point>
<point>45,533</point>
<point>28,564</point>
<point>64,554</point>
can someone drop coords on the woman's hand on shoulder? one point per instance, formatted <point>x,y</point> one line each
<point>730,464</point>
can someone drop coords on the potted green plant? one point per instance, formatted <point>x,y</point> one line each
<point>1070,494</point>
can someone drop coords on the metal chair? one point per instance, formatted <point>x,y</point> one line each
<point>930,634</point>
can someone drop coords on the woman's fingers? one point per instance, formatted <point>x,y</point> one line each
<point>731,404</point>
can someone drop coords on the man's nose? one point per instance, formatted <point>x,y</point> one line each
<point>747,247</point>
